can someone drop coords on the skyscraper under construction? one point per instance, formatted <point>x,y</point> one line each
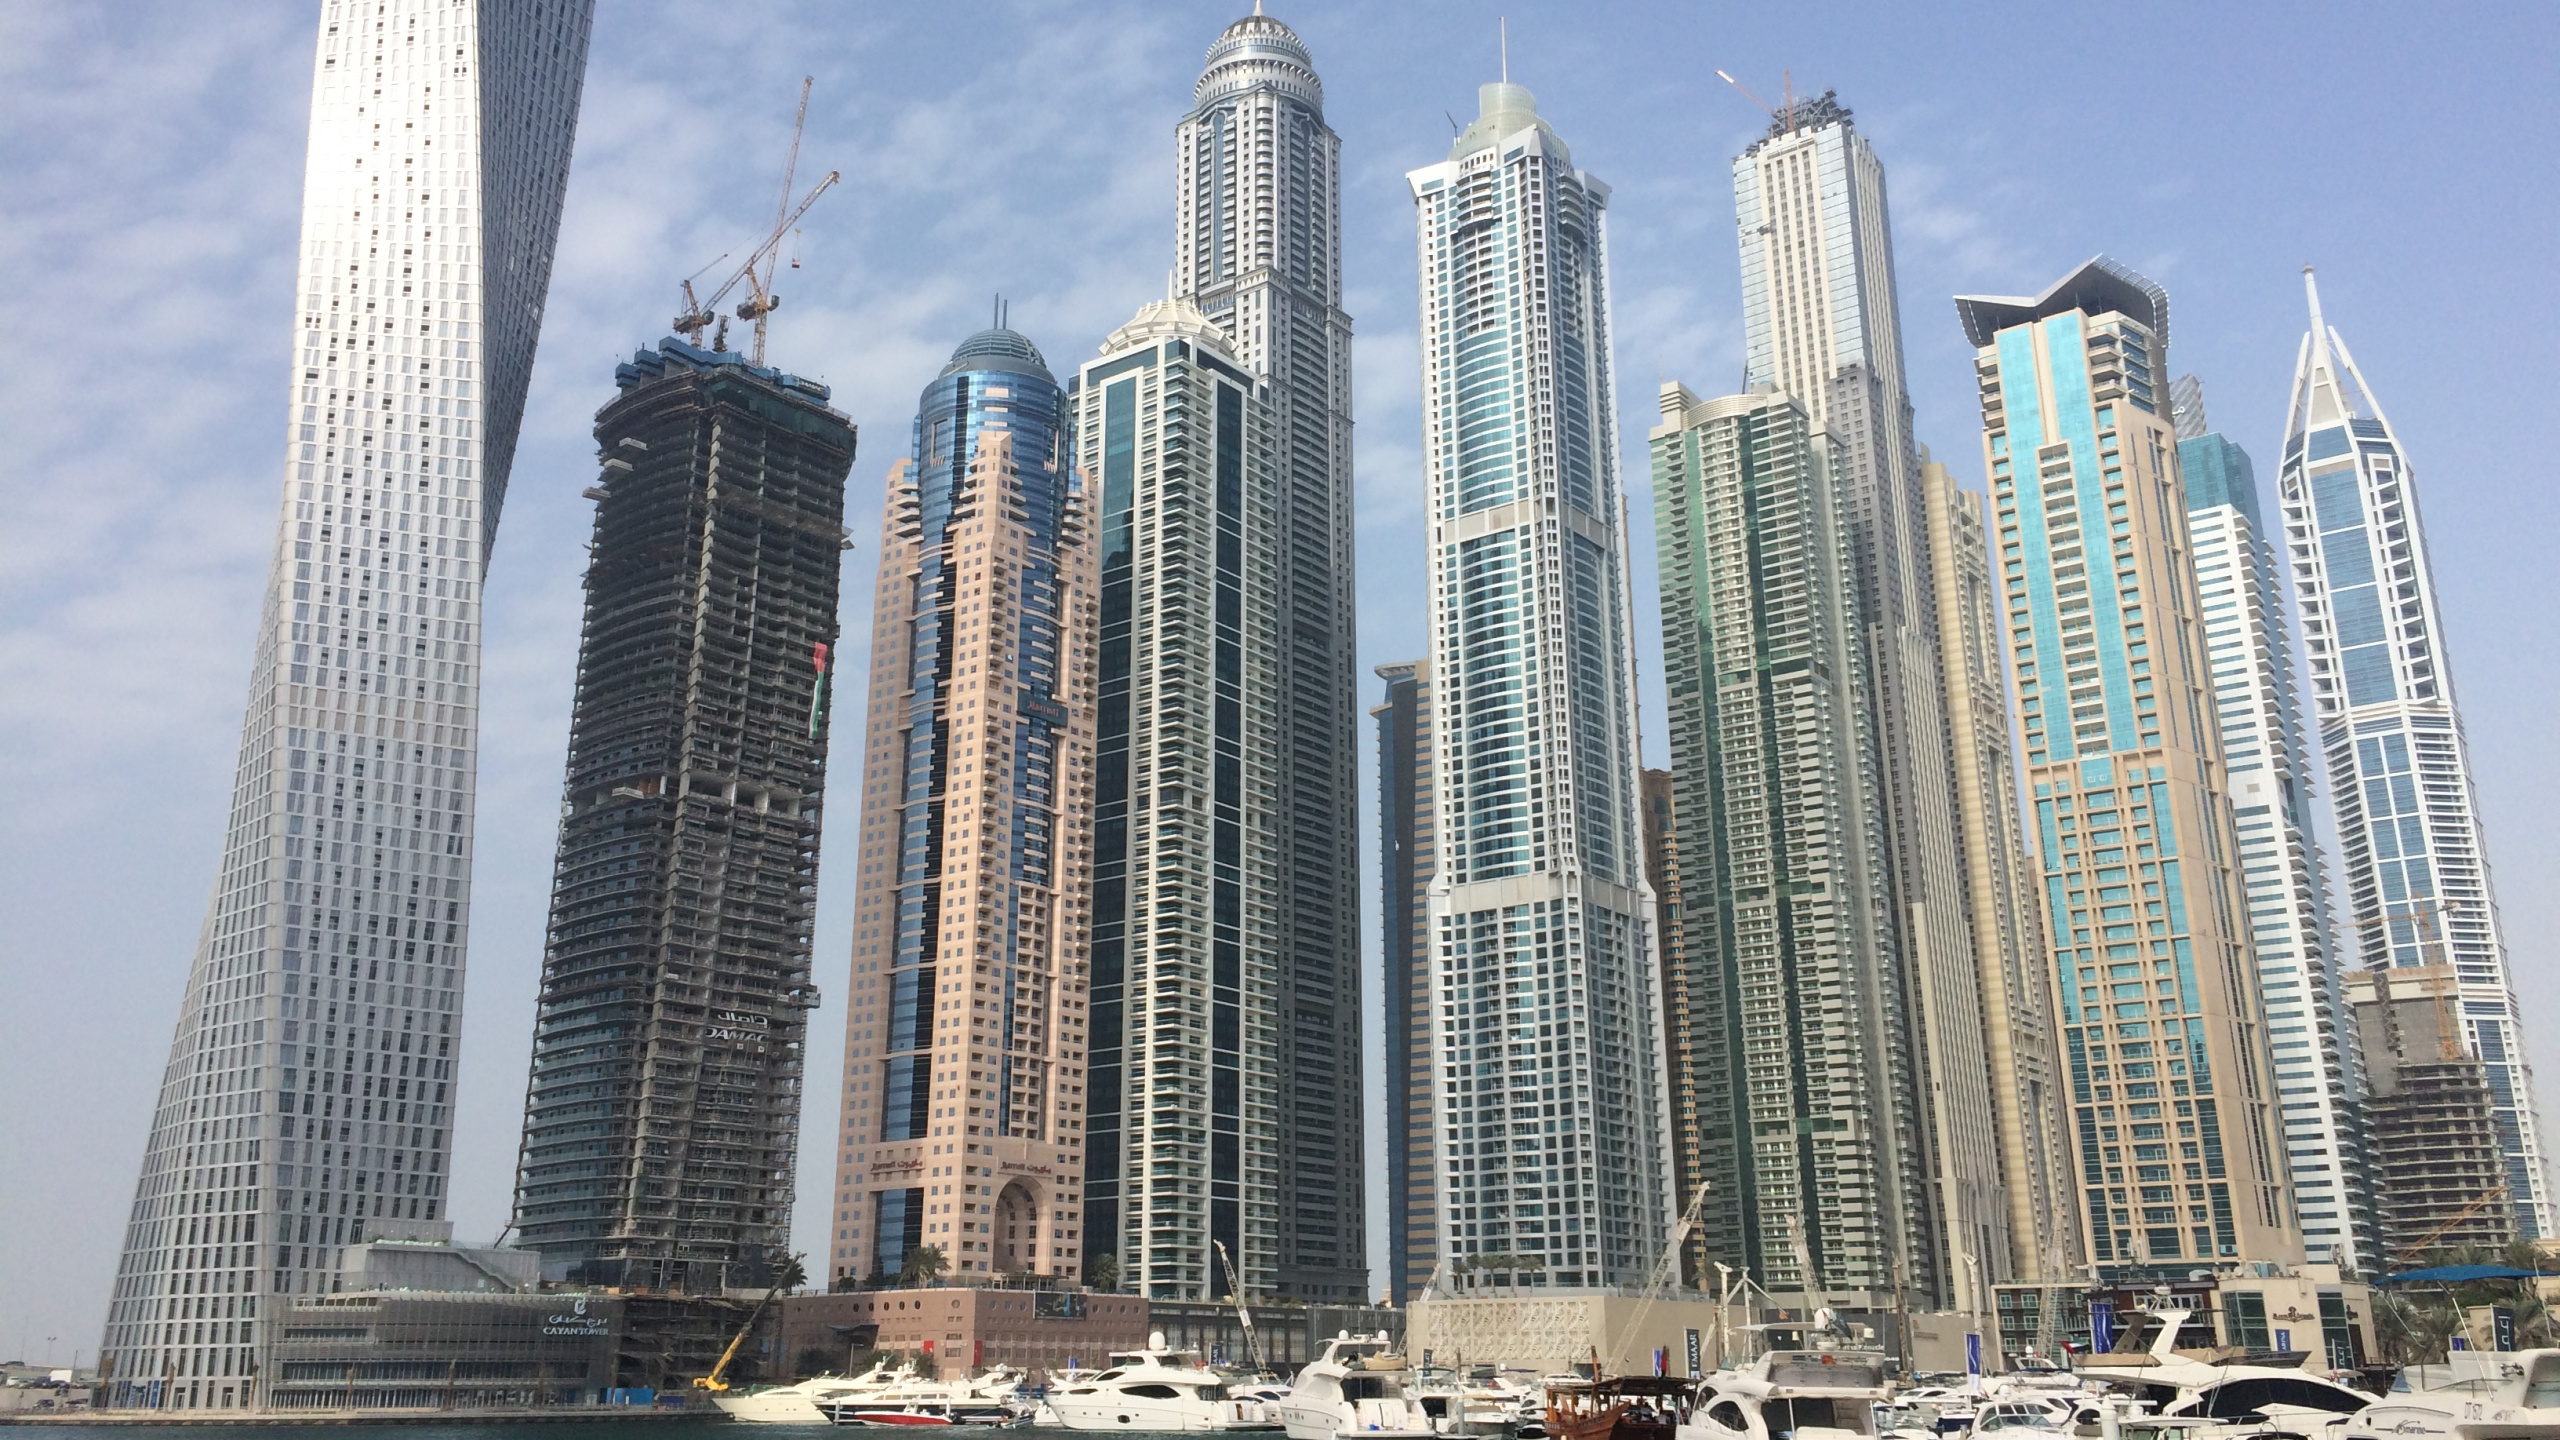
<point>662,1115</point>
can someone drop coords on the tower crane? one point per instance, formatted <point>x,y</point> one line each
<point>757,272</point>
<point>1786,116</point>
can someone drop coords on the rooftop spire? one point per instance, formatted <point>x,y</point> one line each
<point>1504,24</point>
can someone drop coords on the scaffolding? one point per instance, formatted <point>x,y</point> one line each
<point>662,1113</point>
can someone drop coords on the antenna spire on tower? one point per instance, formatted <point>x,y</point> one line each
<point>1505,23</point>
<point>2311,289</point>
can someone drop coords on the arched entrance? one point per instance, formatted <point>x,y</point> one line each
<point>1017,1237</point>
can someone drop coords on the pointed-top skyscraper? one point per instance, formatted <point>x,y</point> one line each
<point>1258,249</point>
<point>2413,865</point>
<point>307,1101</point>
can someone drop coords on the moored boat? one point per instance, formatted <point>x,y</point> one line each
<point>1357,1388</point>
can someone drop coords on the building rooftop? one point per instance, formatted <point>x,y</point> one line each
<point>673,352</point>
<point>1258,50</point>
<point>998,349</point>
<point>2099,286</point>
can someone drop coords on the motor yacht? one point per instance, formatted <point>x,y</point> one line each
<point>1156,1389</point>
<point>2240,1392</point>
<point>1357,1388</point>
<point>803,1403</point>
<point>2505,1397</point>
<point>1479,1400</point>
<point>993,1399</point>
<point>1807,1394</point>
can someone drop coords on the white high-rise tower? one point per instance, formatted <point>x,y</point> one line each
<point>1550,1105</point>
<point>307,1101</point>
<point>2319,1067</point>
<point>2411,860</point>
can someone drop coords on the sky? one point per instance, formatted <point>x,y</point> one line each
<point>152,155</point>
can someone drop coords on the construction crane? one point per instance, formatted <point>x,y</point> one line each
<point>1787,116</point>
<point>757,272</point>
<point>1666,1270</point>
<point>2420,1246</point>
<point>788,1274</point>
<point>1244,1317</point>
<point>2429,931</point>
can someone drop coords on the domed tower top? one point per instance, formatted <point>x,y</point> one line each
<point>1258,50</point>
<point>999,349</point>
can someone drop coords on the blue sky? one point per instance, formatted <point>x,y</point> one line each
<point>152,162</point>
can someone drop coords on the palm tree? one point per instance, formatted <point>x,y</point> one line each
<point>925,1264</point>
<point>788,1273</point>
<point>1102,1271</point>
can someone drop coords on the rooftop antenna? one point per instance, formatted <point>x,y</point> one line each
<point>2311,288</point>
<point>1789,79</point>
<point>1505,22</point>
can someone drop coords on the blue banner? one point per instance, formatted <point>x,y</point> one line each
<point>2102,1326</point>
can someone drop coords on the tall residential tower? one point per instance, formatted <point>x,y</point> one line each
<point>2412,859</point>
<point>2172,1102</point>
<point>2311,1031</point>
<point>1800,1046</point>
<point>307,1101</point>
<point>964,1095</point>
<point>1258,249</point>
<point>1823,323</point>
<point>662,1113</point>
<point>1551,1108</point>
<point>1194,1004</point>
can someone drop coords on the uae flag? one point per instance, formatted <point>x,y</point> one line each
<point>818,692</point>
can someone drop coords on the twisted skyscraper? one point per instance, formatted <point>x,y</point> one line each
<point>307,1100</point>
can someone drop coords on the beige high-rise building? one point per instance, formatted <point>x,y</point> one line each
<point>964,1080</point>
<point>2007,930</point>
<point>2172,1117</point>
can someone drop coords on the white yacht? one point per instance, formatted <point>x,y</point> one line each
<point>1807,1394</point>
<point>801,1404</point>
<point>1155,1389</point>
<point>2508,1397</point>
<point>1479,1400</point>
<point>992,1399</point>
<point>1357,1388</point>
<point>2232,1392</point>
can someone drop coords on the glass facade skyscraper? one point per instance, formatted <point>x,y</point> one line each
<point>662,1114</point>
<point>1823,323</point>
<point>1258,248</point>
<point>2413,863</point>
<point>1801,1048</point>
<point>1550,1103</point>
<point>964,1098</point>
<point>1192,981</point>
<point>2311,1032</point>
<point>307,1104</point>
<point>2173,1119</point>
